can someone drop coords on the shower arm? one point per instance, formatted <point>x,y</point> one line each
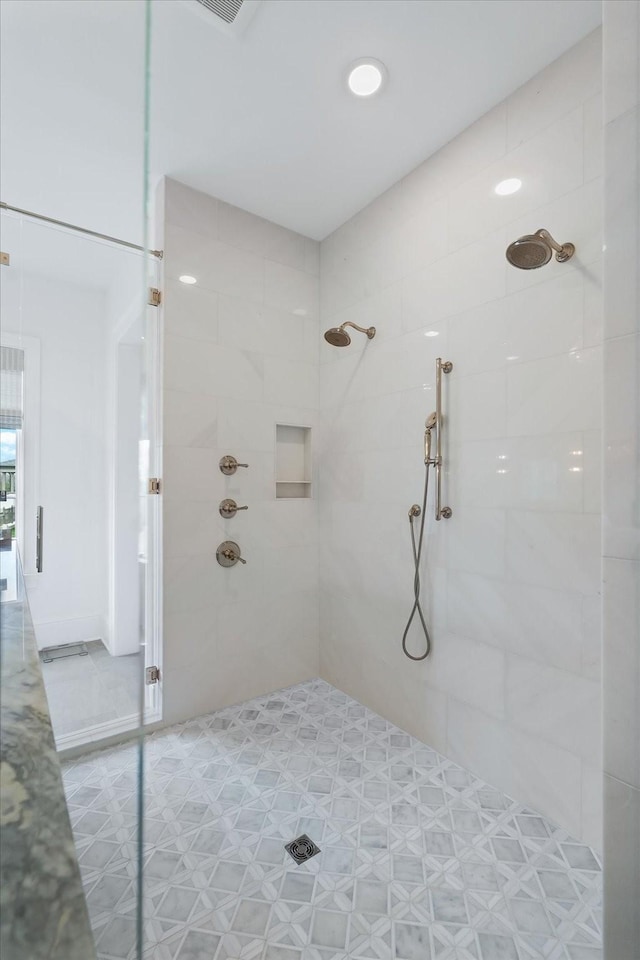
<point>552,243</point>
<point>370,331</point>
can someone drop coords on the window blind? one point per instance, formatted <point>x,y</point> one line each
<point>11,387</point>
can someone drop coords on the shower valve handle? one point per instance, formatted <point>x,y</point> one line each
<point>229,508</point>
<point>228,554</point>
<point>228,465</point>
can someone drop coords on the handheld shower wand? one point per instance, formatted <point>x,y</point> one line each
<point>419,513</point>
<point>430,424</point>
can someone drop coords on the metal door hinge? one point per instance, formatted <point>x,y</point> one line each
<point>152,675</point>
<point>5,259</point>
<point>154,485</point>
<point>155,297</point>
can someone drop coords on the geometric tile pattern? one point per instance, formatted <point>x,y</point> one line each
<point>420,860</point>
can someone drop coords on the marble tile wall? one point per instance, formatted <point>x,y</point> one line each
<point>512,581</point>
<point>621,514</point>
<point>240,355</point>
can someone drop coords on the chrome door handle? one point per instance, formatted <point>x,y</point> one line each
<point>39,538</point>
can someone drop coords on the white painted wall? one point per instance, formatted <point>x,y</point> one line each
<point>240,355</point>
<point>69,599</point>
<point>511,583</point>
<point>621,448</point>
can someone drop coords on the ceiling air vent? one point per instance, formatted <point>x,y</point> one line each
<point>230,16</point>
<point>227,10</point>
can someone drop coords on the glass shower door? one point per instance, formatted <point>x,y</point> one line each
<point>150,489</point>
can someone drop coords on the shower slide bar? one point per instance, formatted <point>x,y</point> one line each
<point>442,366</point>
<point>433,422</point>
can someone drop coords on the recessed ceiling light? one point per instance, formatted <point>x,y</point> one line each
<point>505,187</point>
<point>431,333</point>
<point>366,76</point>
<point>186,278</point>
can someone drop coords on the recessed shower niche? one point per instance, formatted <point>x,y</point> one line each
<point>293,462</point>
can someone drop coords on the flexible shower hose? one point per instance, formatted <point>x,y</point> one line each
<point>417,553</point>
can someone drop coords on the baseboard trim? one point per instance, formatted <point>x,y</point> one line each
<point>99,731</point>
<point>107,734</point>
<point>55,633</point>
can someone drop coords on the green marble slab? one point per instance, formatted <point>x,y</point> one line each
<point>43,912</point>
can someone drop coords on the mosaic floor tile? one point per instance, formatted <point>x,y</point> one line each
<point>419,859</point>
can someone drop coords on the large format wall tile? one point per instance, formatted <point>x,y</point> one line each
<point>511,582</point>
<point>621,672</point>
<point>240,355</point>
<point>621,526</point>
<point>570,80</point>
<point>621,478</point>
<point>621,58</point>
<point>622,223</point>
<point>622,869</point>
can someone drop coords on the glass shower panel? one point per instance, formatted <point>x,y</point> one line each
<point>77,613</point>
<point>75,451</point>
<point>149,489</point>
<point>69,307</point>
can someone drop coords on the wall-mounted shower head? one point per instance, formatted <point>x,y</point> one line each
<point>536,249</point>
<point>431,421</point>
<point>338,337</point>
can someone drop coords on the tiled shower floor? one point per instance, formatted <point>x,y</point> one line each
<point>419,859</point>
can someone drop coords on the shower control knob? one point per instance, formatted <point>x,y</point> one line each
<point>228,554</point>
<point>228,465</point>
<point>446,513</point>
<point>229,508</point>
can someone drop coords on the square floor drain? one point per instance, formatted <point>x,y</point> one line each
<point>301,849</point>
<point>49,654</point>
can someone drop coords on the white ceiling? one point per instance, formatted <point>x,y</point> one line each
<point>263,121</point>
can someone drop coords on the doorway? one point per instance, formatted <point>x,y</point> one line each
<point>79,342</point>
<point>8,454</point>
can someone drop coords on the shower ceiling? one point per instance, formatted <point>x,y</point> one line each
<point>264,121</point>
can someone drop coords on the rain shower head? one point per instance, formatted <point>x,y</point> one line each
<point>338,337</point>
<point>536,249</point>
